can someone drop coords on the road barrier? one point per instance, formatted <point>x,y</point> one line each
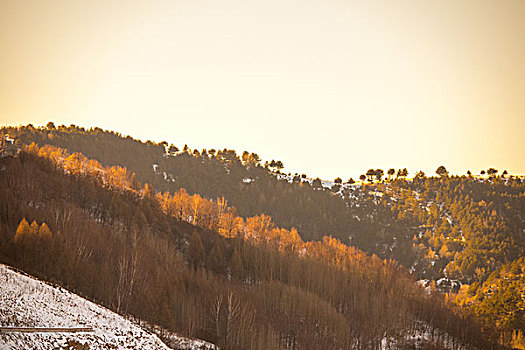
<point>45,329</point>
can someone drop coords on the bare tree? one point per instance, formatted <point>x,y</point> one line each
<point>127,267</point>
<point>215,314</point>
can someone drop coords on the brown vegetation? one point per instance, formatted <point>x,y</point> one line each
<point>159,258</point>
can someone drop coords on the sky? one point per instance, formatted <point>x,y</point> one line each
<point>329,87</point>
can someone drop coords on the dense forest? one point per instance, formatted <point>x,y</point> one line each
<point>463,227</point>
<point>462,230</point>
<point>247,184</point>
<point>499,301</point>
<point>448,230</point>
<point>241,283</point>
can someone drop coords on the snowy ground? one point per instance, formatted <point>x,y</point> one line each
<point>27,302</point>
<point>422,338</point>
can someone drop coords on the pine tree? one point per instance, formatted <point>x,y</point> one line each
<point>197,251</point>
<point>492,171</point>
<point>172,150</point>
<point>34,229</point>
<point>370,174</point>
<point>236,264</point>
<point>45,232</point>
<point>23,232</point>
<point>215,259</point>
<point>442,171</point>
<point>379,174</point>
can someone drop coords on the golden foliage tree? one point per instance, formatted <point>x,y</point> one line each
<point>45,232</point>
<point>23,232</point>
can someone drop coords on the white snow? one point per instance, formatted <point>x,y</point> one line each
<point>27,302</point>
<point>420,338</point>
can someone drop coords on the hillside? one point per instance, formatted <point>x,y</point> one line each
<point>447,231</point>
<point>500,300</point>
<point>248,184</point>
<point>462,228</point>
<point>400,225</point>
<point>238,283</point>
<point>27,302</point>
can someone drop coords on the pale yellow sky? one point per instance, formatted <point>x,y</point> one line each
<point>331,88</point>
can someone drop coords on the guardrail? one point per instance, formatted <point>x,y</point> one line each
<point>45,329</point>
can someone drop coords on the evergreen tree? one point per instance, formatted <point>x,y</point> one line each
<point>23,232</point>
<point>34,229</point>
<point>420,175</point>
<point>379,174</point>
<point>216,261</point>
<point>45,232</point>
<point>492,171</point>
<point>197,251</point>
<point>172,150</point>
<point>370,174</point>
<point>442,171</point>
<point>236,264</point>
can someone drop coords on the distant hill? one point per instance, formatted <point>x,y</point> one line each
<point>242,179</point>
<point>192,266</point>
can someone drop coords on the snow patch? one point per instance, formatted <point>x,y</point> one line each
<point>27,302</point>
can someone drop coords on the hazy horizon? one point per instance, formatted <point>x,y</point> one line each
<point>286,170</point>
<point>330,88</point>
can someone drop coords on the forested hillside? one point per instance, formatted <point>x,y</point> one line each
<point>448,230</point>
<point>241,283</point>
<point>459,227</point>
<point>499,301</point>
<point>397,225</point>
<point>462,230</point>
<point>248,185</point>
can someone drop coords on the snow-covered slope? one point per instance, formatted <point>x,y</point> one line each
<point>27,302</point>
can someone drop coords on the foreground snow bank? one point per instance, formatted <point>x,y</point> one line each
<point>27,302</point>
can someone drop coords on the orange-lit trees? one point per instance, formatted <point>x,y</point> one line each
<point>258,227</point>
<point>23,233</point>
